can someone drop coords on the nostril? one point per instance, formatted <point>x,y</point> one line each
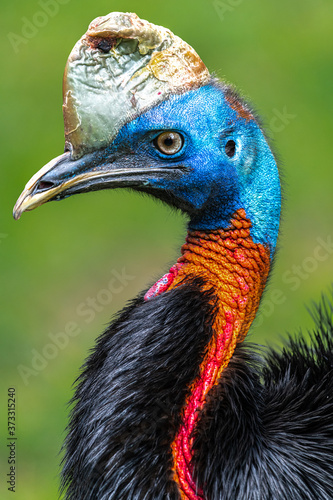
<point>44,185</point>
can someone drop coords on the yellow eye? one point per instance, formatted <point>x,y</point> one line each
<point>169,143</point>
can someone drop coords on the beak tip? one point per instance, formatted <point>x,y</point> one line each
<point>17,213</point>
<point>17,210</point>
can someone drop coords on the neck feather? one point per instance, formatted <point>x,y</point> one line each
<point>236,269</point>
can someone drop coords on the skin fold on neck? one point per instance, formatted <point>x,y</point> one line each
<point>236,268</point>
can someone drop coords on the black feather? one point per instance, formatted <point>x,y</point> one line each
<point>266,431</point>
<point>130,395</point>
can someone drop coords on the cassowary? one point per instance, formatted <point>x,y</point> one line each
<point>172,404</point>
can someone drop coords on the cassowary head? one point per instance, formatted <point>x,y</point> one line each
<point>141,111</point>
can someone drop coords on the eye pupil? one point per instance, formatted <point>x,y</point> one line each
<point>169,143</point>
<point>230,148</point>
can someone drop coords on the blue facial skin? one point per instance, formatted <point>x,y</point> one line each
<point>215,185</point>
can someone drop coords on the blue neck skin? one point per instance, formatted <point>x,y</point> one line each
<point>216,184</point>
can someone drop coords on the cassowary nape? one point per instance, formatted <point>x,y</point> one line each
<point>171,404</point>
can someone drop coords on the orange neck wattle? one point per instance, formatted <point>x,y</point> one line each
<point>236,269</point>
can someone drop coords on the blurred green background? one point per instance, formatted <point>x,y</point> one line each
<point>56,258</point>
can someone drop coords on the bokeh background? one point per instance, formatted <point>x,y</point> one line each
<point>58,258</point>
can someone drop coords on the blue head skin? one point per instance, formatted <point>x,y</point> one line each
<point>224,164</point>
<point>215,184</point>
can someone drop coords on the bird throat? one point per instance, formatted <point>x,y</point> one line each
<point>235,269</point>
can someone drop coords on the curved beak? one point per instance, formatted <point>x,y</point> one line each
<point>64,176</point>
<point>33,194</point>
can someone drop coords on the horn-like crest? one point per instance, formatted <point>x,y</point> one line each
<point>121,67</point>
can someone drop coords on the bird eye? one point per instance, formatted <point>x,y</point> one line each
<point>230,148</point>
<point>169,143</point>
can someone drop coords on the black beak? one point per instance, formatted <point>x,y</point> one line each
<point>64,176</point>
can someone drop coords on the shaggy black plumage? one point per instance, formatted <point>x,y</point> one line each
<point>130,395</point>
<point>265,433</point>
